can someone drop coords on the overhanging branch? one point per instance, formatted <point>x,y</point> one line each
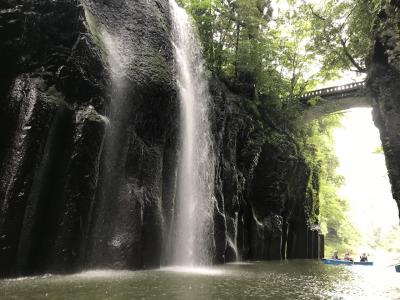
<point>351,58</point>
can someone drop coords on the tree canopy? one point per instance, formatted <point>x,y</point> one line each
<point>282,48</point>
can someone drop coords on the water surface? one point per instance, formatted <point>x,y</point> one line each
<point>258,280</point>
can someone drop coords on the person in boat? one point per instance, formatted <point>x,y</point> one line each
<point>364,257</point>
<point>347,256</point>
<point>335,255</point>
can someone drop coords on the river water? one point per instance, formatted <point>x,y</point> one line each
<point>300,279</point>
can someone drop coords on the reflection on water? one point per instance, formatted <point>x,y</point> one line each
<point>194,270</point>
<point>258,280</point>
<point>243,263</point>
<point>103,273</point>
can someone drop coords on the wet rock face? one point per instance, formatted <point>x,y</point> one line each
<point>136,176</point>
<point>384,86</point>
<point>141,32</point>
<point>55,91</point>
<point>263,187</point>
<point>30,34</point>
<point>51,136</point>
<point>281,199</point>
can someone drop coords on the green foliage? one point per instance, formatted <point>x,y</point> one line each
<point>318,148</point>
<point>342,33</point>
<point>384,240</point>
<point>280,55</point>
<point>232,36</point>
<point>253,51</point>
<point>378,150</point>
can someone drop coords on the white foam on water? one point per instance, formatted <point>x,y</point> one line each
<point>194,270</point>
<point>103,274</point>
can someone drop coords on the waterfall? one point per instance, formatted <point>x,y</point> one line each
<point>193,224</point>
<point>111,214</point>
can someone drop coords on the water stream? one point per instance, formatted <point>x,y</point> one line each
<point>193,226</point>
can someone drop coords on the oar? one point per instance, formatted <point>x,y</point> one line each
<point>398,263</point>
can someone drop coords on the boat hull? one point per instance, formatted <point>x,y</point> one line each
<point>363,263</point>
<point>328,261</point>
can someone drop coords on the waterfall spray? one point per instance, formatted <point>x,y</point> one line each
<point>108,237</point>
<point>195,195</point>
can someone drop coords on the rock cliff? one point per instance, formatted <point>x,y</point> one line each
<point>265,190</point>
<point>384,85</point>
<point>88,147</point>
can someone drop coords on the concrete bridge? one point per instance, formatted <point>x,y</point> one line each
<point>333,99</point>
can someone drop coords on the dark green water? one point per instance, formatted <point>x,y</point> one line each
<point>259,280</point>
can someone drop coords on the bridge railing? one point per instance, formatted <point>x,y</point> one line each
<point>337,90</point>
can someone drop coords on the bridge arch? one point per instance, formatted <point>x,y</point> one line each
<point>326,101</point>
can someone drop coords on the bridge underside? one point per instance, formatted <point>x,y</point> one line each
<point>327,106</point>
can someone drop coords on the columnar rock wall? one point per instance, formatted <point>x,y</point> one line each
<point>83,185</point>
<point>267,196</point>
<point>384,85</point>
<point>52,131</point>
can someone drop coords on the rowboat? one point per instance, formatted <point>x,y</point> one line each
<point>329,261</point>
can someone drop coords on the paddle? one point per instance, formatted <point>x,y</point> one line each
<point>396,264</point>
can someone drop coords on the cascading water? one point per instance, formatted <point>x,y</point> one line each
<point>193,224</point>
<point>110,215</point>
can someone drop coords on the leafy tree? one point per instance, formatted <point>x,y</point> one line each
<point>318,148</point>
<point>343,32</point>
<point>388,240</point>
<point>283,55</point>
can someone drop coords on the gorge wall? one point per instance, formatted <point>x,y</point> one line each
<point>89,147</point>
<point>384,85</point>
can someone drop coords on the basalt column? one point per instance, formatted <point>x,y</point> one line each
<point>384,85</point>
<point>51,136</point>
<point>134,200</point>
